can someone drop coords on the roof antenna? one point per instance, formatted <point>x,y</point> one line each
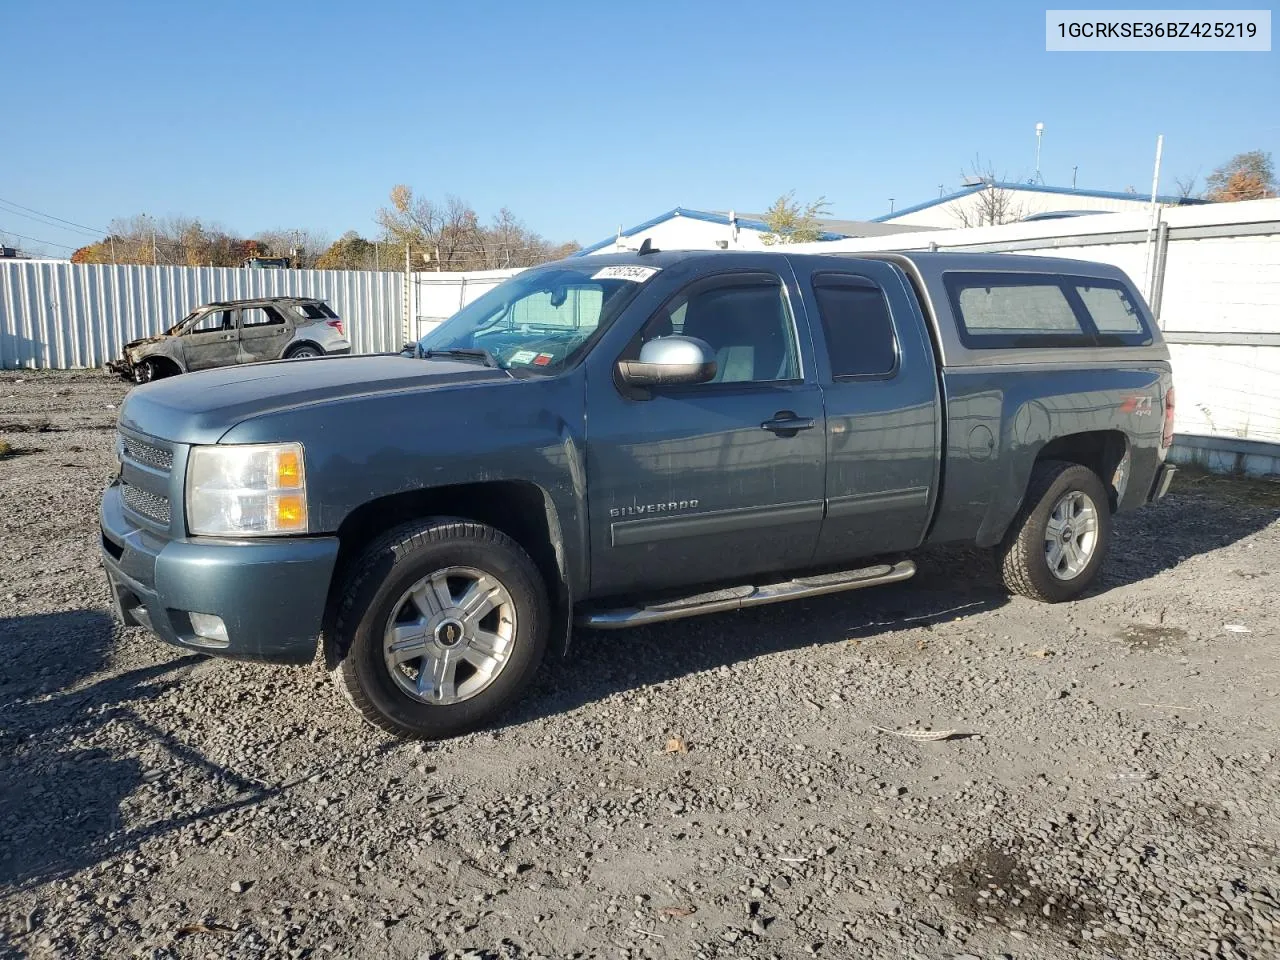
<point>646,246</point>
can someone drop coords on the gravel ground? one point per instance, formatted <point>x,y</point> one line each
<point>733,786</point>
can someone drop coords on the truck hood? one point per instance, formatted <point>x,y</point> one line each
<point>201,407</point>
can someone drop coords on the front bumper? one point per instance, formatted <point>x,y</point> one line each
<point>270,593</point>
<point>1160,486</point>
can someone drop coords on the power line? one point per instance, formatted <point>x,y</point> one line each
<point>46,223</point>
<point>47,243</point>
<point>70,223</point>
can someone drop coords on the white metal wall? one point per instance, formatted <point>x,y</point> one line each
<point>62,315</point>
<point>1021,203</point>
<point>438,296</point>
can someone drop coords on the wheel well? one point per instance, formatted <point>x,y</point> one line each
<point>165,366</point>
<point>519,509</point>
<point>295,347</point>
<point>1099,450</point>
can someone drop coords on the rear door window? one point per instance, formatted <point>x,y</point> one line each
<point>858,327</point>
<point>260,317</point>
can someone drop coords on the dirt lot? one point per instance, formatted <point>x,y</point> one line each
<point>731,786</point>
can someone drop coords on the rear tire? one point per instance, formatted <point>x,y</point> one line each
<point>303,353</point>
<point>1058,542</point>
<point>408,646</point>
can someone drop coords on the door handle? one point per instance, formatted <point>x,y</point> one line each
<point>229,336</point>
<point>786,424</point>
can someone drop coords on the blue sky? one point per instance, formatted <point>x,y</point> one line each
<point>579,116</point>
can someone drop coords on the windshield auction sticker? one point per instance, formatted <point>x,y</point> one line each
<point>625,271</point>
<point>1118,31</point>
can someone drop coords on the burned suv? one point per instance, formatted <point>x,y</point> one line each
<point>228,332</point>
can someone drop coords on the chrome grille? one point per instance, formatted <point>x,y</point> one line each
<point>145,453</point>
<point>145,503</point>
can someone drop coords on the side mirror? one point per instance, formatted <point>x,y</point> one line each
<point>669,360</point>
<point>409,350</point>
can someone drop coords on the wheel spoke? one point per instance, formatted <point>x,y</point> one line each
<point>484,649</point>
<point>436,678</point>
<point>481,597</point>
<point>1053,528</point>
<point>1087,524</point>
<point>408,642</point>
<point>1074,557</point>
<point>1055,554</point>
<point>432,596</point>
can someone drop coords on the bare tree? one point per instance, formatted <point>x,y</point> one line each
<point>449,235</point>
<point>1187,185</point>
<point>990,206</point>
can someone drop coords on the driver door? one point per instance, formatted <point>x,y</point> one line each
<point>720,481</point>
<point>212,341</point>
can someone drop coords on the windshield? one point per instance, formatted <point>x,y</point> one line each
<point>541,320</point>
<point>177,327</point>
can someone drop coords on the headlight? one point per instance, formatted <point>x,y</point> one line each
<point>246,490</point>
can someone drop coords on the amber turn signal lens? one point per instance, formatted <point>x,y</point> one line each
<point>291,513</point>
<point>288,469</point>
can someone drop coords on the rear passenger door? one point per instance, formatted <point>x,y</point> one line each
<point>880,388</point>
<point>264,333</point>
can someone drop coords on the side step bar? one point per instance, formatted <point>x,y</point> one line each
<point>739,598</point>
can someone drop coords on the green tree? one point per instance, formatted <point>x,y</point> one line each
<point>789,222</point>
<point>1246,176</point>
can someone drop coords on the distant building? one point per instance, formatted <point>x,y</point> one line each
<point>1017,201</point>
<point>684,229</point>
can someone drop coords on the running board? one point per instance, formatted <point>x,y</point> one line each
<point>739,598</point>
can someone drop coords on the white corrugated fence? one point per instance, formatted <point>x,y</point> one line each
<point>62,315</point>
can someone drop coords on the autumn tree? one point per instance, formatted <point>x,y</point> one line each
<point>450,235</point>
<point>1246,176</point>
<point>349,252</point>
<point>789,222</point>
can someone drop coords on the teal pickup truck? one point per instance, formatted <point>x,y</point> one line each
<point>627,439</point>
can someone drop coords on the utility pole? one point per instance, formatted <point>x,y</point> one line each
<point>1155,216</point>
<point>1073,176</point>
<point>408,295</point>
<point>1039,134</point>
<point>891,205</point>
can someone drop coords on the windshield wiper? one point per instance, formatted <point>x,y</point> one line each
<point>465,353</point>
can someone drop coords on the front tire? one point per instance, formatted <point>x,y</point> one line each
<point>1057,543</point>
<point>440,626</point>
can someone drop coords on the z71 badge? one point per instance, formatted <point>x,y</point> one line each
<point>644,509</point>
